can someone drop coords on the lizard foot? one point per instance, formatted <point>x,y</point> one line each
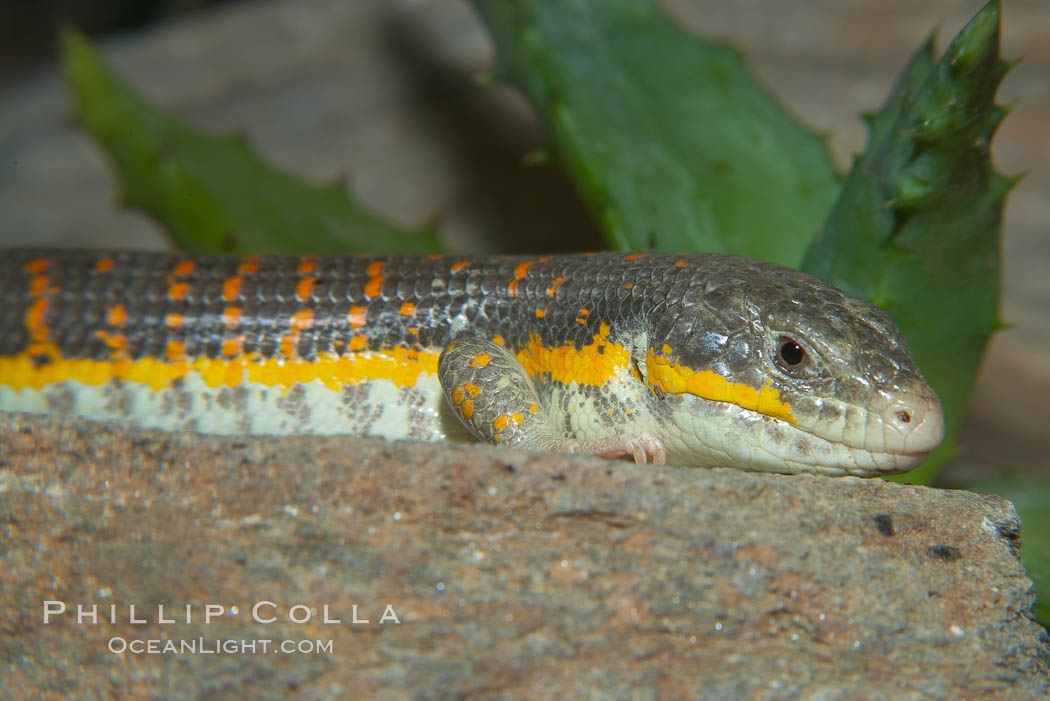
<point>643,447</point>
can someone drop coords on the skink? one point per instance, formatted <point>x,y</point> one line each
<point>696,360</point>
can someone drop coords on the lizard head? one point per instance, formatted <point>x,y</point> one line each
<point>762,367</point>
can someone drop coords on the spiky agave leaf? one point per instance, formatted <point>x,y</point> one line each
<point>916,227</point>
<point>211,193</point>
<point>671,141</point>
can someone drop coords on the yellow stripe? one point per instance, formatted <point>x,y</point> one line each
<point>402,366</point>
<point>593,364</point>
<point>707,384</point>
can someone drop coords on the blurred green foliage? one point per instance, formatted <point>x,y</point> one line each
<point>211,193</point>
<point>672,142</point>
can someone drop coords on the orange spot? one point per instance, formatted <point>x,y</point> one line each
<point>520,271</point>
<point>434,256</point>
<point>635,256</point>
<point>458,395</point>
<point>590,254</point>
<point>174,320</point>
<point>554,286</point>
<point>248,265</point>
<point>232,346</point>
<point>533,408</point>
<point>308,265</point>
<point>184,267</point>
<point>175,350</point>
<point>408,309</point>
<point>480,360</point>
<point>288,342</point>
<point>105,265</point>
<point>231,288</point>
<point>460,265</point>
<point>472,389</point>
<point>303,319</point>
<point>115,341</point>
<point>540,313</point>
<point>36,315</point>
<point>504,420</point>
<point>37,265</point>
<point>467,409</point>
<point>231,316</point>
<point>375,283</point>
<point>357,316</point>
<point>498,340</point>
<point>178,290</point>
<point>374,286</point>
<point>117,315</point>
<point>305,288</point>
<point>358,342</point>
<point>682,264</point>
<point>38,285</point>
<point>628,285</point>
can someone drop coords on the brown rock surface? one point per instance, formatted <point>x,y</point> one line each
<point>512,574</point>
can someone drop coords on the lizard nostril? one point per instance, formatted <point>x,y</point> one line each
<point>914,421</point>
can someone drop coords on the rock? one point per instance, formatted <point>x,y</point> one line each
<point>512,575</point>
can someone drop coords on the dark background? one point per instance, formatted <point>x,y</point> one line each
<point>27,27</point>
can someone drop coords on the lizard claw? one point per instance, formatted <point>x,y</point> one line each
<point>645,448</point>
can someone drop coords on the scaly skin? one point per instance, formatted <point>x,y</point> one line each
<point>658,356</point>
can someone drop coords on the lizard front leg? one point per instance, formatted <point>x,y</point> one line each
<point>496,401</point>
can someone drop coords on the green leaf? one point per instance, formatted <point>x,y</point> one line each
<point>1031,497</point>
<point>916,227</point>
<point>214,194</point>
<point>671,141</point>
<point>910,80</point>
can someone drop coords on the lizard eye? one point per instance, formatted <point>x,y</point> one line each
<point>790,353</point>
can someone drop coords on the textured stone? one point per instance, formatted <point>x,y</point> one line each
<point>512,574</point>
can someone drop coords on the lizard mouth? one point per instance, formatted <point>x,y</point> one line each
<point>828,437</point>
<point>894,431</point>
<point>894,436</point>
